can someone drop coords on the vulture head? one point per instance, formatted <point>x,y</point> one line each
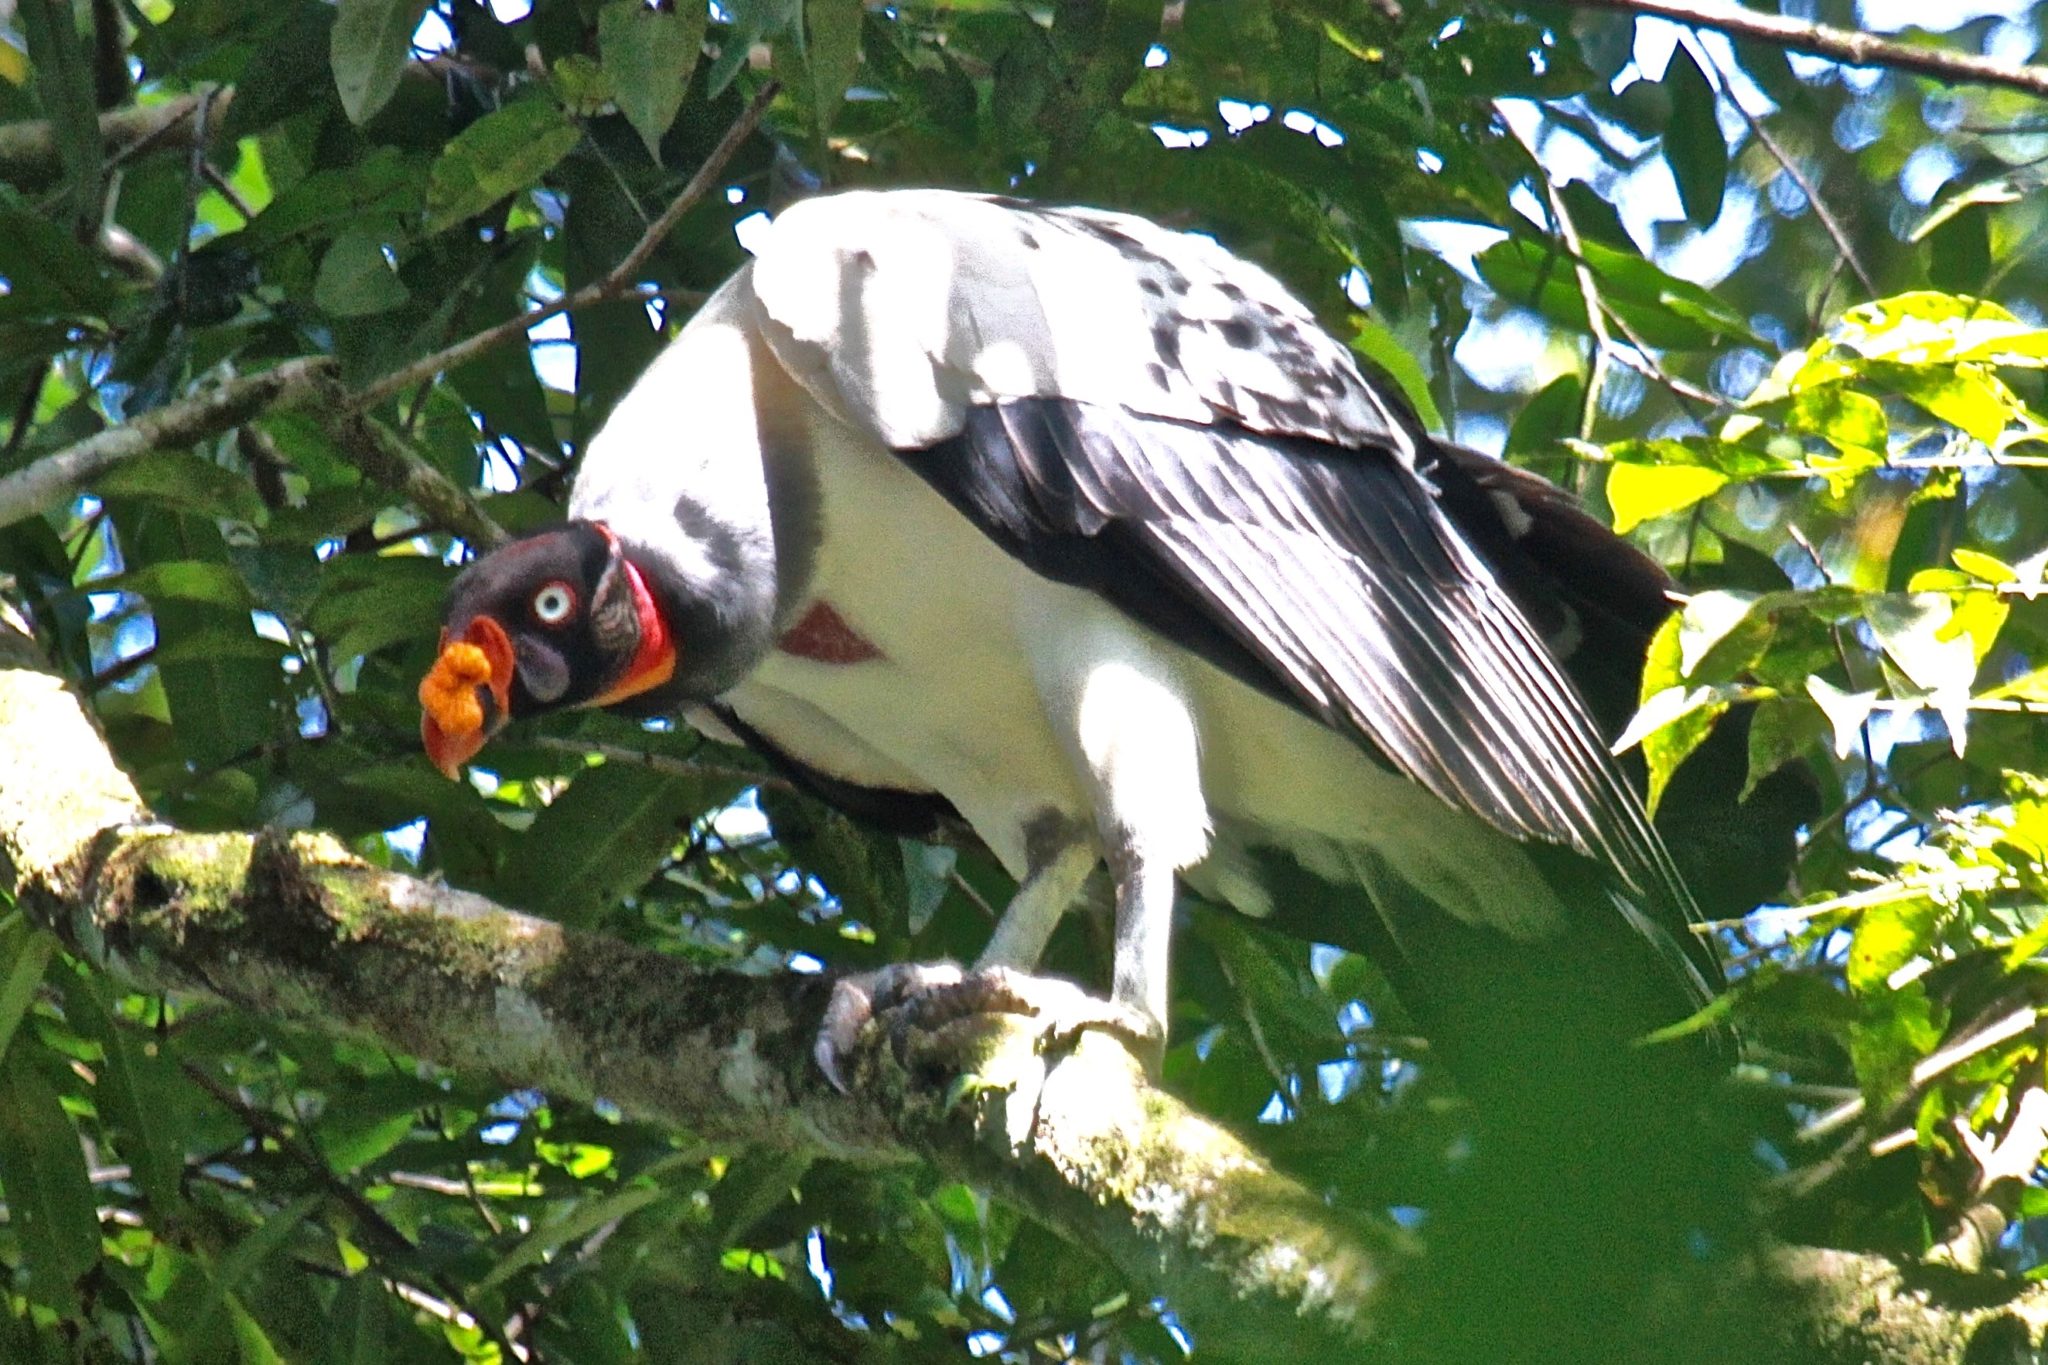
<point>556,619</point>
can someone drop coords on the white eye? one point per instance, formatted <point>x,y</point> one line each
<point>553,604</point>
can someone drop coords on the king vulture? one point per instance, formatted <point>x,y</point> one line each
<point>1084,529</point>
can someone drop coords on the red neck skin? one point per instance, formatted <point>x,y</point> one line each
<point>655,660</point>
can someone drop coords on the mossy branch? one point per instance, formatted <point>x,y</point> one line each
<point>292,927</point>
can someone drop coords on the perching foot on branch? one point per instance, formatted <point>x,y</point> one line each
<point>938,1017</point>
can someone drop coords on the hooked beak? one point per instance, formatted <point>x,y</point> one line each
<point>466,696</point>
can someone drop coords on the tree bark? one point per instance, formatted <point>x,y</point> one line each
<point>1851,47</point>
<point>294,928</point>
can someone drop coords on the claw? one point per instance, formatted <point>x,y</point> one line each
<point>858,999</point>
<point>917,1001</point>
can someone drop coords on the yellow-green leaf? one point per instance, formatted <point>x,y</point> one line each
<point>500,154</point>
<point>1887,938</point>
<point>1641,492</point>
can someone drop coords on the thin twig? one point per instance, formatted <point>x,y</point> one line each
<point>1636,355</point>
<point>53,479</point>
<point>616,284</point>
<point>381,1229</point>
<point>389,460</point>
<point>662,763</point>
<point>1847,46</point>
<point>1806,187</point>
<point>1589,293</point>
<point>226,190</point>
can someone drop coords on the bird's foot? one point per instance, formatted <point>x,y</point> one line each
<point>936,1015</point>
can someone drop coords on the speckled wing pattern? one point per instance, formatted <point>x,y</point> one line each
<point>1136,411</point>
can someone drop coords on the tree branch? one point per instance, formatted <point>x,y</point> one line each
<point>295,929</point>
<point>617,283</point>
<point>54,479</point>
<point>28,150</point>
<point>1848,46</point>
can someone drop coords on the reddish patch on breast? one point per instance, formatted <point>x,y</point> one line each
<point>823,636</point>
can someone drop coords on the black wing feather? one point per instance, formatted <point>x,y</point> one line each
<point>1324,576</point>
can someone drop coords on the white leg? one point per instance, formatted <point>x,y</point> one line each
<point>1035,911</point>
<point>1144,931</point>
<point>1117,697</point>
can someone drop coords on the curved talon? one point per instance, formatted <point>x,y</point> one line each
<point>923,1000</point>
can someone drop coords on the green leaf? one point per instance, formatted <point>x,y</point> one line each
<point>356,280</point>
<point>1546,419</point>
<point>1846,712</point>
<point>1887,937</point>
<point>25,951</point>
<point>233,1269</point>
<point>360,1324</point>
<point>1956,249</point>
<point>1661,308</point>
<point>928,877</point>
<point>370,45</point>
<point>184,580</point>
<point>649,55</point>
<point>1781,729</point>
<point>184,479</point>
<point>1693,145</point>
<point>381,1113</point>
<point>64,80</point>
<point>1983,567</point>
<point>387,184</point>
<point>222,705</point>
<point>832,52</point>
<point>599,840</point>
<point>500,154</point>
<point>49,1197</point>
<point>1965,396</point>
<point>134,1093</point>
<point>1374,342</point>
<point>583,1217</point>
<point>368,602</point>
<point>1921,634</point>
<point>1852,422</point>
<point>1924,327</point>
<point>1642,492</point>
<point>47,270</point>
<point>1670,726</point>
<point>1722,632</point>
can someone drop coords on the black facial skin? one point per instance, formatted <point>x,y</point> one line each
<point>565,662</point>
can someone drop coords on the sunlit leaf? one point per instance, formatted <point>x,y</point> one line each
<point>1889,936</point>
<point>1642,492</point>
<point>500,154</point>
<point>1846,712</point>
<point>1850,421</point>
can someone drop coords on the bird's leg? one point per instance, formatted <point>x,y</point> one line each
<point>1119,703</point>
<point>1052,885</point>
<point>926,999</point>
<point>1145,892</point>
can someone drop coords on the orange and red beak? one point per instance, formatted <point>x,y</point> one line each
<point>466,696</point>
